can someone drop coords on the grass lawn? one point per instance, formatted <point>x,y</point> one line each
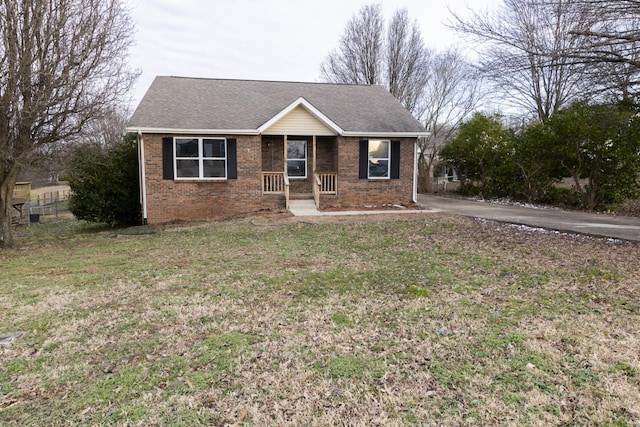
<point>421,320</point>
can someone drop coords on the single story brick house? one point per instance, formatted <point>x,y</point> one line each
<point>214,147</point>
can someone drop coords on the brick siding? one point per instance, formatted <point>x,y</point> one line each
<point>356,193</point>
<point>169,200</point>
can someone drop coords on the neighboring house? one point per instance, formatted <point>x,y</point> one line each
<point>211,147</point>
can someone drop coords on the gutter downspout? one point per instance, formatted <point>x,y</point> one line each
<point>143,183</point>
<point>415,171</point>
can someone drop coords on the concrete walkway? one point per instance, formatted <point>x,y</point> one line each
<point>308,208</point>
<point>617,227</point>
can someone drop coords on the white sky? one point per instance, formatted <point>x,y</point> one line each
<point>262,39</point>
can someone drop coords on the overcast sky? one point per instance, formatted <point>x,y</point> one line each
<point>261,39</point>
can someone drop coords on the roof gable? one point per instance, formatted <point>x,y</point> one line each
<point>300,118</point>
<point>195,105</point>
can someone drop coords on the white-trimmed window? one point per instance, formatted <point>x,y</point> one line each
<point>297,159</point>
<point>379,159</point>
<point>200,158</point>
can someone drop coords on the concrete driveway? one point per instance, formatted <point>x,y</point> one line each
<point>617,227</point>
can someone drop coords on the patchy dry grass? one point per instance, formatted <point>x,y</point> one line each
<point>429,320</point>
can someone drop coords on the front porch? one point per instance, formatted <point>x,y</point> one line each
<point>294,165</point>
<point>278,183</point>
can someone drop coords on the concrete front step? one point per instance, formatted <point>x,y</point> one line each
<point>302,207</point>
<point>301,196</point>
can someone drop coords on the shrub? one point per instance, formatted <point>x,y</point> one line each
<point>630,208</point>
<point>599,148</point>
<point>478,153</point>
<point>105,183</point>
<point>561,197</point>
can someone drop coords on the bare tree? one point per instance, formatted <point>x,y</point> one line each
<point>611,46</point>
<point>51,161</point>
<point>614,81</point>
<point>106,130</point>
<point>63,64</point>
<point>439,89</point>
<point>452,92</point>
<point>525,52</point>
<point>398,61</point>
<point>358,58</point>
<point>407,67</point>
<point>612,33</point>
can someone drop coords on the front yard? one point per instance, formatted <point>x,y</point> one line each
<point>422,320</point>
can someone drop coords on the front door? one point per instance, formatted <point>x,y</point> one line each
<point>298,167</point>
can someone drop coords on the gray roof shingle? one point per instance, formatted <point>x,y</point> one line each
<point>218,104</point>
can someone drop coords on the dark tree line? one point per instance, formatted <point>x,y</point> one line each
<point>596,147</point>
<point>574,67</point>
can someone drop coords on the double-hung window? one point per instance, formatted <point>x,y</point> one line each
<point>200,158</point>
<point>379,159</point>
<point>297,159</point>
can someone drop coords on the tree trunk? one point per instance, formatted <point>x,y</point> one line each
<point>7,183</point>
<point>424,177</point>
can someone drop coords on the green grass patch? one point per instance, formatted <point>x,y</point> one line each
<point>351,367</point>
<point>341,319</point>
<point>219,353</point>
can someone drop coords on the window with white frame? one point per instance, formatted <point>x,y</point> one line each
<point>200,158</point>
<point>297,159</point>
<point>379,159</point>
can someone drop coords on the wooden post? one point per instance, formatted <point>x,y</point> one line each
<point>285,153</point>
<point>314,154</point>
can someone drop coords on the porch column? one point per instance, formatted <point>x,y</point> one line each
<point>285,154</point>
<point>314,154</point>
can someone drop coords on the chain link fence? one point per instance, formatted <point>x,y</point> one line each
<point>42,206</point>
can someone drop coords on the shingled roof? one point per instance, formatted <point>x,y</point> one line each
<point>174,104</point>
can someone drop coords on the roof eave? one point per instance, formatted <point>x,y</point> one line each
<point>387,134</point>
<point>136,129</point>
<point>153,130</point>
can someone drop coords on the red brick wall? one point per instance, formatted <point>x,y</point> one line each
<point>327,157</point>
<point>273,153</point>
<point>354,193</point>
<point>169,200</point>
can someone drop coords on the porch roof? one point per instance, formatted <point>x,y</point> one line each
<point>196,105</point>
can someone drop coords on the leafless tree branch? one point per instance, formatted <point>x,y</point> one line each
<point>358,58</point>
<point>452,92</point>
<point>524,46</point>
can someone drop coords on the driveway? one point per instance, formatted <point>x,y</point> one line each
<point>617,227</point>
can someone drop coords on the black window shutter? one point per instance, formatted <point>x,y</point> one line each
<point>395,159</point>
<point>364,159</point>
<point>167,158</point>
<point>232,159</point>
